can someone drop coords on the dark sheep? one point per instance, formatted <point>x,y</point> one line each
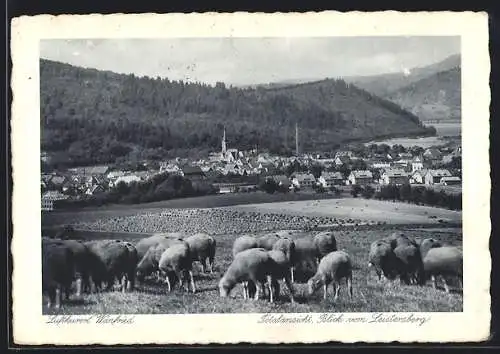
<point>325,243</point>
<point>202,248</point>
<point>58,271</point>
<point>114,255</point>
<point>410,266</point>
<point>305,257</point>
<point>383,259</point>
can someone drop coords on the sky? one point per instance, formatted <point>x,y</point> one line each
<point>247,61</point>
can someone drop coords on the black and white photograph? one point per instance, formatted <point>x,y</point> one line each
<point>250,175</point>
<point>271,175</point>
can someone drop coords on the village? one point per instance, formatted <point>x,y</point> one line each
<point>231,170</point>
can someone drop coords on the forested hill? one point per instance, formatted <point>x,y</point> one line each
<point>436,97</point>
<point>91,116</point>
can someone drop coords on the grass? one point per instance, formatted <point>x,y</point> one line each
<point>369,294</point>
<point>361,209</point>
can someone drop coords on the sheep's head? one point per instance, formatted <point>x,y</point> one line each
<point>224,288</point>
<point>312,285</point>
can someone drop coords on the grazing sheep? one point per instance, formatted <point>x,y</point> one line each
<point>243,243</point>
<point>130,272</point>
<point>144,244</point>
<point>324,243</point>
<point>332,268</point>
<point>287,246</point>
<point>202,247</point>
<point>383,259</point>
<point>150,261</point>
<point>176,260</point>
<point>249,266</point>
<point>427,244</point>
<point>441,262</point>
<point>305,256</point>
<point>267,241</point>
<point>410,266</point>
<point>114,255</point>
<point>397,239</point>
<point>57,271</point>
<point>280,270</point>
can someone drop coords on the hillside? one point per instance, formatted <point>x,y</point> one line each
<point>386,84</point>
<point>437,97</point>
<point>90,116</point>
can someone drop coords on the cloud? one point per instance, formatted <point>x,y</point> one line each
<point>252,60</point>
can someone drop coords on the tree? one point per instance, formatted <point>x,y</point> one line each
<point>316,170</point>
<point>356,190</point>
<point>405,192</point>
<point>368,192</point>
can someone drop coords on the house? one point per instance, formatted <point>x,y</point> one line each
<point>56,182</point>
<point>347,153</point>
<point>451,181</point>
<point>405,155</point>
<point>95,189</point>
<point>193,172</point>
<point>360,177</point>
<point>418,177</point>
<point>328,179</point>
<point>125,179</point>
<point>432,154</point>
<point>394,176</point>
<point>417,164</point>
<point>170,168</point>
<point>434,176</point>
<point>342,160</point>
<point>115,174</point>
<point>380,164</point>
<point>303,180</point>
<point>48,199</point>
<point>280,180</point>
<point>91,170</point>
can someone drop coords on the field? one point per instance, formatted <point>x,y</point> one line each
<point>209,201</point>
<point>352,234</point>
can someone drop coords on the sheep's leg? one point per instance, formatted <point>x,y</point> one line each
<point>434,281</point>
<point>51,297</point>
<point>167,281</point>
<point>270,284</point>
<point>460,283</point>
<point>58,297</point>
<point>245,290</point>
<point>336,287</point>
<point>349,285</point>
<point>259,289</point>
<point>79,285</point>
<point>211,261</point>
<point>446,288</point>
<point>289,285</point>
<point>192,281</point>
<point>291,274</point>
<point>325,288</point>
<point>124,283</point>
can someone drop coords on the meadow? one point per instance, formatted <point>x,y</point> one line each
<point>369,294</point>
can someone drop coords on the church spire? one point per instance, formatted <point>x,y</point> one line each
<point>224,142</point>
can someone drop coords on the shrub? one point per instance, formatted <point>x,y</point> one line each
<point>368,192</point>
<point>356,190</point>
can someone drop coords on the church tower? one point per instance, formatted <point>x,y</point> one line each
<point>224,143</point>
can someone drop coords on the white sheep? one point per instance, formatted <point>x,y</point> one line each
<point>243,243</point>
<point>177,260</point>
<point>252,265</point>
<point>332,268</point>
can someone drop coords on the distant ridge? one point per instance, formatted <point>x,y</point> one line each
<point>90,116</point>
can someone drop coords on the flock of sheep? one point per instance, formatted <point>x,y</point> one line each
<point>259,263</point>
